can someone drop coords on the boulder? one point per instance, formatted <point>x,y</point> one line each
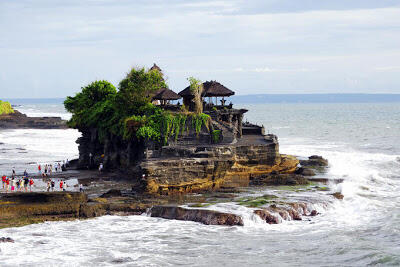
<point>112,193</point>
<point>267,216</point>
<point>338,195</point>
<point>314,213</point>
<point>208,217</point>
<point>305,171</point>
<point>6,240</point>
<point>314,161</point>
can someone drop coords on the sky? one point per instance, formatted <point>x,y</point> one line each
<point>52,48</point>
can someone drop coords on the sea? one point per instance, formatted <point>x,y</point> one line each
<point>360,140</point>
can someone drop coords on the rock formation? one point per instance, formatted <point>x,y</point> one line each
<point>17,120</point>
<point>209,217</point>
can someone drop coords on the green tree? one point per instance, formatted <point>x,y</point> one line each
<point>93,105</point>
<point>138,87</point>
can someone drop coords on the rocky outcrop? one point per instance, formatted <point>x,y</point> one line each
<point>25,208</point>
<point>17,120</point>
<point>208,217</point>
<point>305,171</point>
<point>208,168</point>
<point>315,161</point>
<point>6,240</point>
<point>275,215</point>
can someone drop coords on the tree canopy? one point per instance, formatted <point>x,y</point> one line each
<point>128,111</point>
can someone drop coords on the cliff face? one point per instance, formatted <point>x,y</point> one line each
<point>192,161</point>
<point>208,168</point>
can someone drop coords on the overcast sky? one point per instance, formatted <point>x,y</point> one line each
<point>51,48</point>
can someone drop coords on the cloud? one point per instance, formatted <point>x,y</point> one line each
<point>47,44</point>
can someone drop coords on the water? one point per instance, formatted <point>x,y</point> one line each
<point>361,143</point>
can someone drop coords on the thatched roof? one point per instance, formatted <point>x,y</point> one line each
<point>166,94</point>
<point>210,88</point>
<point>155,67</point>
<point>214,88</point>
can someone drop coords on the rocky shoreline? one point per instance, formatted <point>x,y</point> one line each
<point>112,194</point>
<point>17,120</point>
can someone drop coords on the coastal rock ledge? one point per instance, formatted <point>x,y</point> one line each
<point>208,217</point>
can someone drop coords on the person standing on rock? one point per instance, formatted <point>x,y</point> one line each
<point>61,185</point>
<point>101,167</point>
<point>81,188</point>
<point>30,184</point>
<point>52,185</point>
<point>40,169</point>
<point>12,185</point>
<point>26,183</point>
<point>25,173</point>
<point>3,180</point>
<point>48,186</point>
<point>13,172</point>
<point>64,186</point>
<point>7,184</point>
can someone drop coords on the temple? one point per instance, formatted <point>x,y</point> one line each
<point>203,152</point>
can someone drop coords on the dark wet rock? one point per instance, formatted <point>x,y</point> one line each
<point>314,213</point>
<point>338,195</point>
<point>6,240</point>
<point>112,193</point>
<point>279,179</point>
<point>267,216</point>
<point>294,214</point>
<point>314,161</point>
<point>326,180</point>
<point>209,217</point>
<point>305,171</point>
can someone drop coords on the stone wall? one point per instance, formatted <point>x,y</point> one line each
<point>208,168</point>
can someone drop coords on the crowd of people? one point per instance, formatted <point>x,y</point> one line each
<point>25,183</point>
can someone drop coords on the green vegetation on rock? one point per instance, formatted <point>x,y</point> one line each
<point>5,108</point>
<point>128,111</point>
<point>256,201</point>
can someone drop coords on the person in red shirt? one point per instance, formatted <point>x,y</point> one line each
<point>30,184</point>
<point>61,185</point>
<point>3,181</point>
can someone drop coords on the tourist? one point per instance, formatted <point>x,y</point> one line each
<point>100,167</point>
<point>30,184</point>
<point>3,180</point>
<point>45,169</point>
<point>40,169</point>
<point>56,166</point>
<point>52,185</point>
<point>12,184</point>
<point>21,185</point>
<point>26,183</point>
<point>13,172</point>
<point>61,185</point>
<point>18,184</point>
<point>50,169</point>
<point>81,188</point>
<point>59,167</point>
<point>64,187</point>
<point>7,184</point>
<point>48,186</point>
<point>25,173</point>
